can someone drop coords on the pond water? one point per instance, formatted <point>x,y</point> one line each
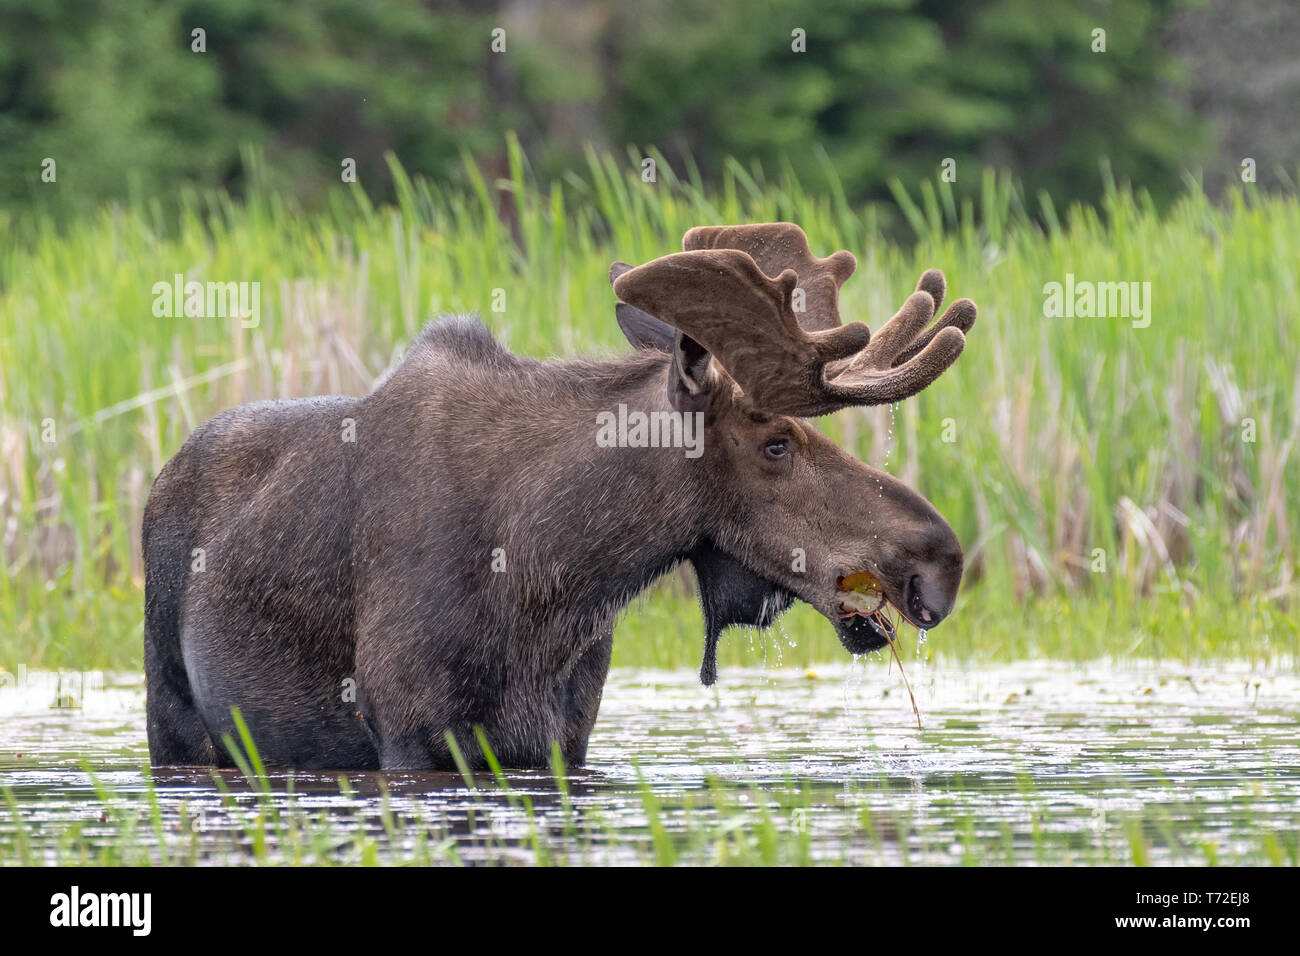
<point>1030,762</point>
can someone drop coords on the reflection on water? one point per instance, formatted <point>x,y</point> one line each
<point>1023,762</point>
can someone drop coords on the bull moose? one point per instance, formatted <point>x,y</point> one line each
<point>451,550</point>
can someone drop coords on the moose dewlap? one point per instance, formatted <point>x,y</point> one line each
<point>457,566</point>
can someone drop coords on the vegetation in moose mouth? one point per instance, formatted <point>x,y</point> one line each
<point>864,623</point>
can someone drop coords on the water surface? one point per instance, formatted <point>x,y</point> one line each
<point>1027,762</point>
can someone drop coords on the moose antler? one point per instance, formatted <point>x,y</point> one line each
<point>795,363</point>
<point>777,246</point>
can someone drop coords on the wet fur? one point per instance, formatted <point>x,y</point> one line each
<point>327,561</point>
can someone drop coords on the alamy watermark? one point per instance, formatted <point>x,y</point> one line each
<point>1082,299</point>
<point>659,429</point>
<point>75,908</point>
<point>208,300</point>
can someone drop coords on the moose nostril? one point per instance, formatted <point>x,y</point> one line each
<point>921,610</point>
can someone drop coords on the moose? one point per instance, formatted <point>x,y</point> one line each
<point>382,575</point>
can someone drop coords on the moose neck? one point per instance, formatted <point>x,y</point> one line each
<point>570,520</point>
<point>622,497</point>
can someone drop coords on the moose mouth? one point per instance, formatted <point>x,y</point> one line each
<point>864,622</point>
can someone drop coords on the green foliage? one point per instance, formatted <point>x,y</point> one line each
<point>890,88</point>
<point>534,819</point>
<point>886,89</point>
<point>117,96</point>
<point>1070,435</point>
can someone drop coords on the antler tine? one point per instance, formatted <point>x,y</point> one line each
<point>960,315</point>
<point>904,356</point>
<point>898,341</point>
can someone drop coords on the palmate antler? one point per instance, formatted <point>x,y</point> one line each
<point>733,291</point>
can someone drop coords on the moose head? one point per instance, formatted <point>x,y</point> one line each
<point>751,321</point>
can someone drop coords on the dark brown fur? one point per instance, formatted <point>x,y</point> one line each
<point>327,561</point>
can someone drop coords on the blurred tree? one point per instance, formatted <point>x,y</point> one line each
<point>115,94</point>
<point>893,87</point>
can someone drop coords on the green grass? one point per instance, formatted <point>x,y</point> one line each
<point>536,820</point>
<point>1073,437</point>
<point>667,629</point>
<point>746,826</point>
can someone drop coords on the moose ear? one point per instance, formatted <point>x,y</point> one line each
<point>690,380</point>
<point>642,329</point>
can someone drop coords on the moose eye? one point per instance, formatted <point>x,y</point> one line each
<point>777,448</point>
